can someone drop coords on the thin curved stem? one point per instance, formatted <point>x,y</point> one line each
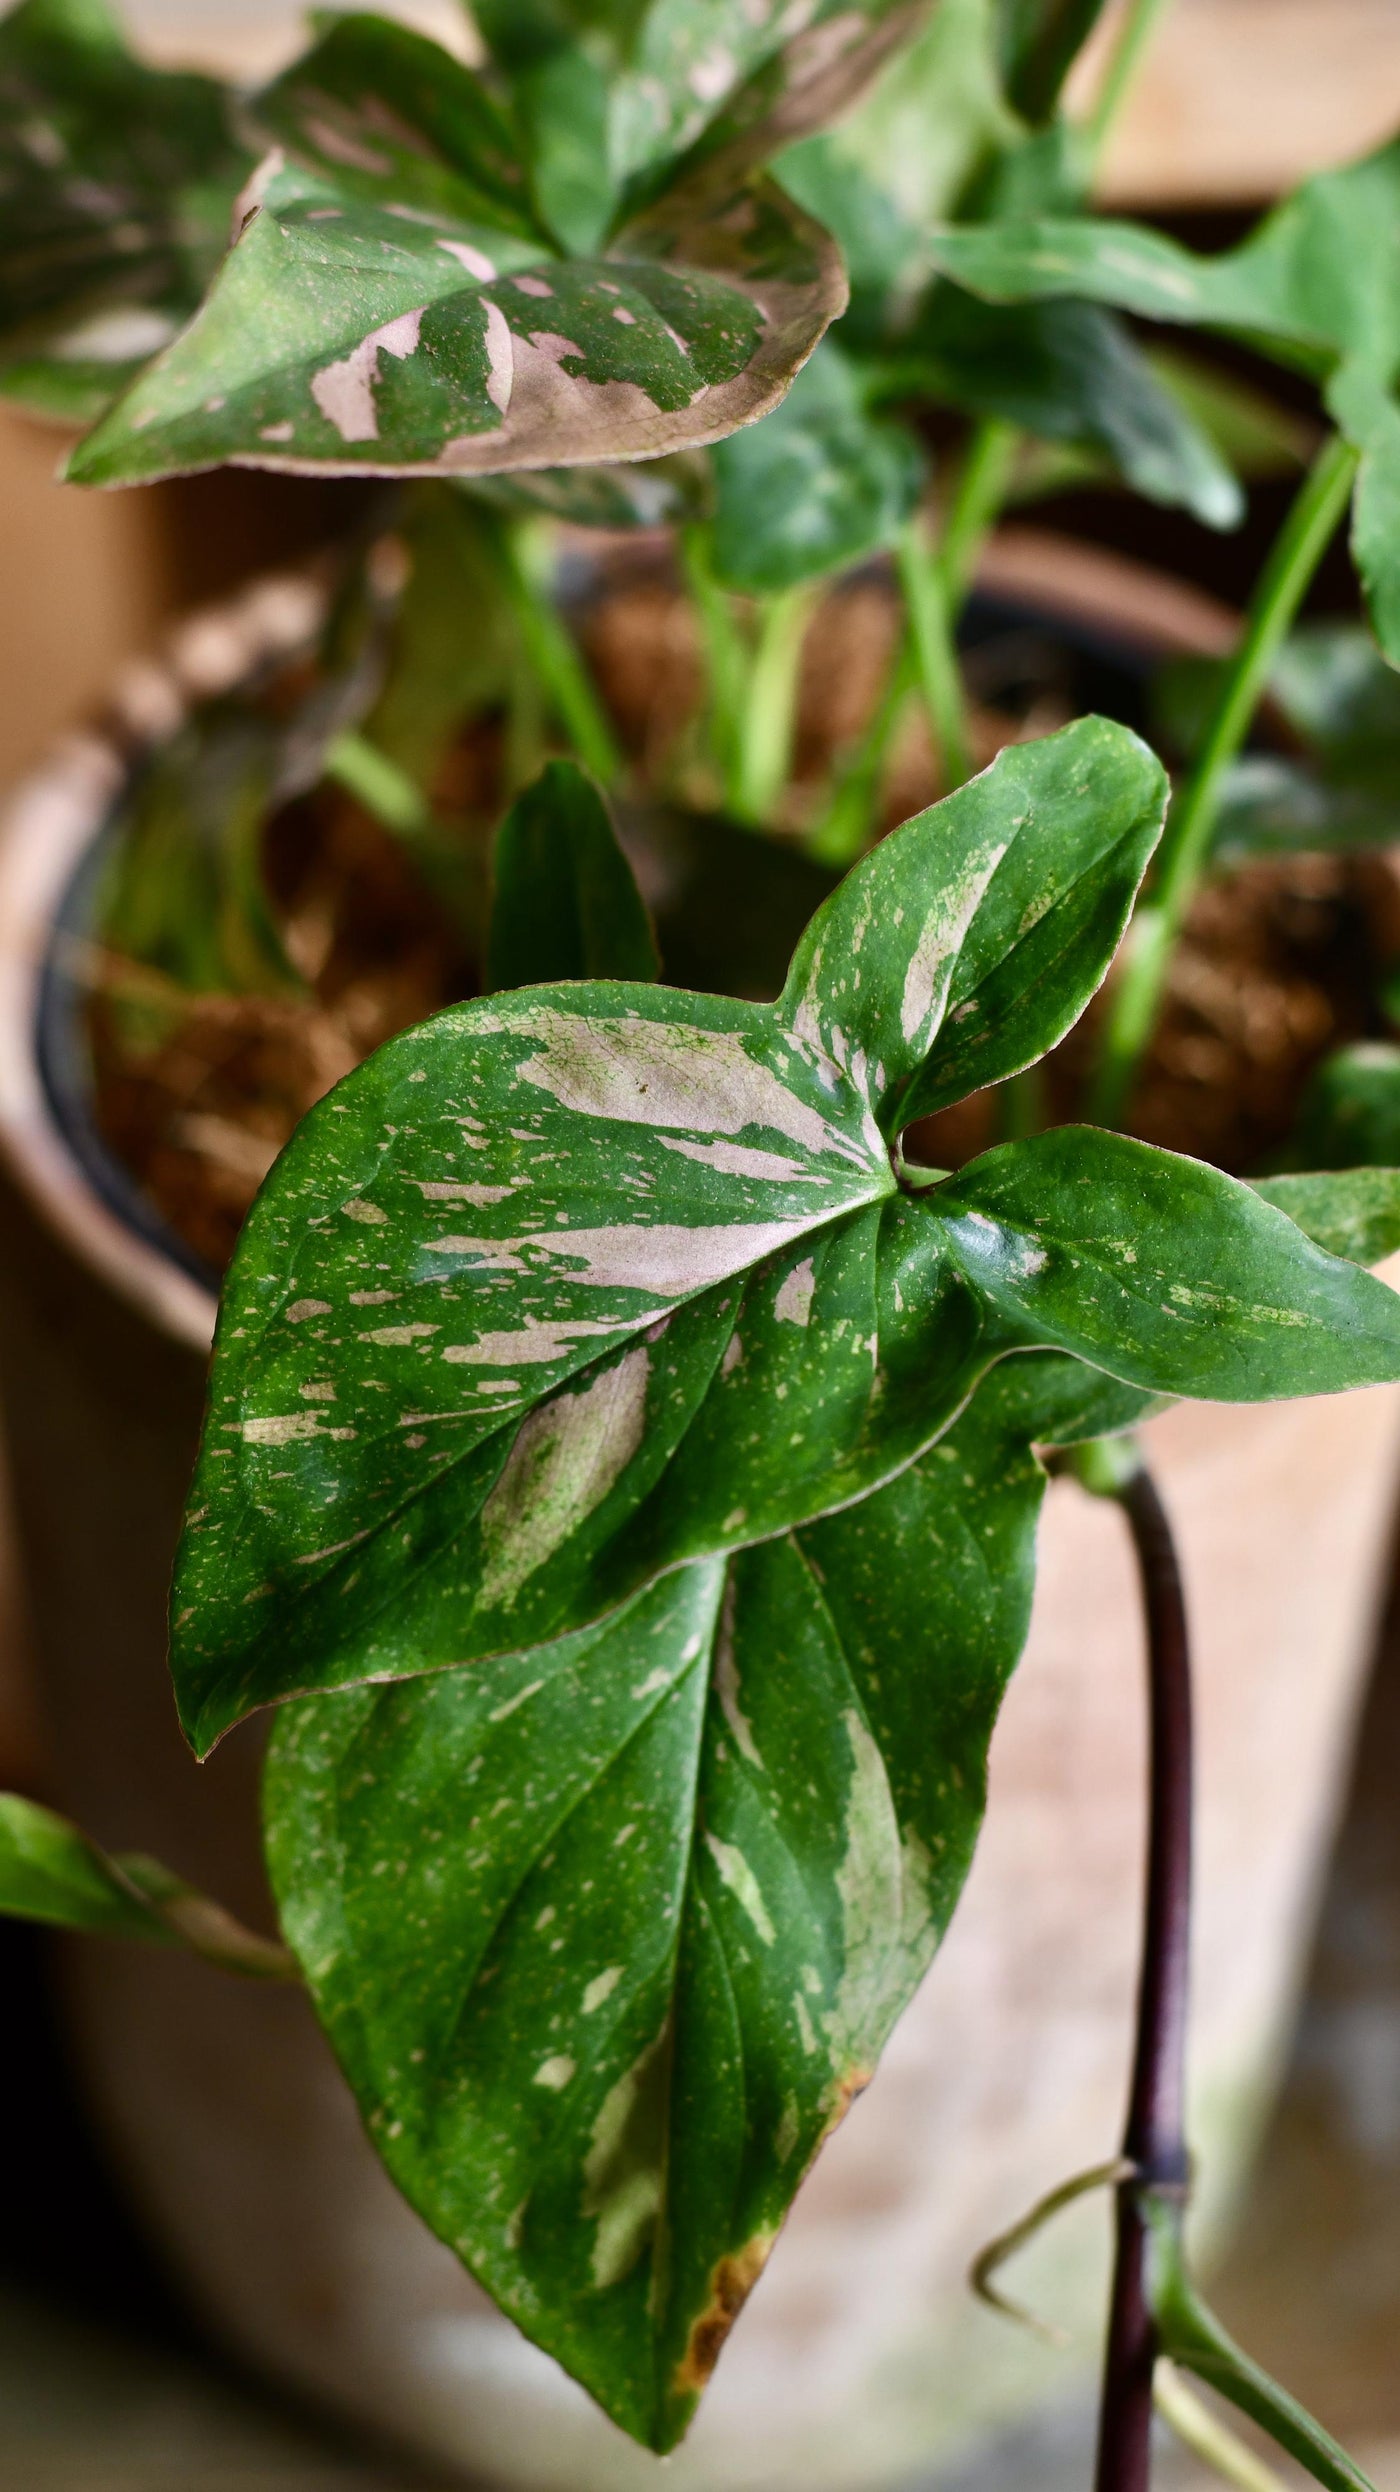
<point>931,627</point>
<point>1181,860</point>
<point>1133,36</point>
<point>1154,2138</point>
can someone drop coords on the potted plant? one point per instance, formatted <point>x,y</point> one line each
<point>623,1431</point>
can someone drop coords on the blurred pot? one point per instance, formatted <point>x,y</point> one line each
<point>861,2355</point>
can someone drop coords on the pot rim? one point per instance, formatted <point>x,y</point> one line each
<point>53,823</point>
<point>49,830</point>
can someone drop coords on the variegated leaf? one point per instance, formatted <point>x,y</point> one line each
<point>669,1884</point>
<point>396,304</point>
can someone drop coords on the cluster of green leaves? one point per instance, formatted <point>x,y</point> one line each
<point>1315,286</point>
<point>620,1467</point>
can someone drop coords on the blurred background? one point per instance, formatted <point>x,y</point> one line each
<point>106,2383</point>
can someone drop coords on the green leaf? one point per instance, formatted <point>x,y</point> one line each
<point>511,1327</point>
<point>1191,2335</point>
<point>50,1872</point>
<point>1350,1113</point>
<point>1273,807</point>
<point>118,182</point>
<point>1319,275</point>
<point>452,641</point>
<point>1368,415</point>
<point>818,485</point>
<point>1337,692</point>
<point>566,904</point>
<point>1353,1212</point>
<point>394,304</point>
<point>670,1883</point>
<point>1163,1271</point>
<point>1070,372</point>
<point>1037,42</point>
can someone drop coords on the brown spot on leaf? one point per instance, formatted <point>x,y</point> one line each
<point>730,2286</point>
<point>844,2092</point>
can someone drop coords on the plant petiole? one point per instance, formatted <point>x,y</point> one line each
<point>768,715</point>
<point>1303,540</point>
<point>931,627</point>
<point>554,655</point>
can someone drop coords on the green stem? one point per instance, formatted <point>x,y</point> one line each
<point>1139,22</point>
<point>1298,549</point>
<point>553,653</point>
<point>726,659</point>
<point>930,610</point>
<point>766,725</point>
<point>977,498</point>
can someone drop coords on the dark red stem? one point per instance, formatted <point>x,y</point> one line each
<point>1154,2140</point>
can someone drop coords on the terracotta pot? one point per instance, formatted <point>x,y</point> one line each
<point>861,2355</point>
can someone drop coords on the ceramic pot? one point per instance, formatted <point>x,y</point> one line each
<point>861,2357</point>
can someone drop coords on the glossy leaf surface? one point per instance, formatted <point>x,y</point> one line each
<point>561,1290</point>
<point>116,187</point>
<point>1347,1211</point>
<point>395,303</point>
<point>566,904</point>
<point>819,484</point>
<point>507,1333</point>
<point>670,1883</point>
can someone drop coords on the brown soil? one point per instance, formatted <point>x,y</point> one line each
<point>1275,969</point>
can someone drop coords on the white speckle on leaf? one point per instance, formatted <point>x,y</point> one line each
<point>439,1190</point>
<point>399,1336</point>
<point>727,1681</point>
<point>500,356</point>
<point>368,1214</point>
<point>665,1073</point>
<point>344,391</point>
<point>627,318</point>
<point>475,262</point>
<point>565,1459</point>
<point>522,1696</point>
<point>735,1159</point>
<point>278,432</point>
<point>742,1884</point>
<point>302,1309</point>
<point>941,939</point>
<point>536,1346</point>
<point>278,1431</point>
<point>733,1355</point>
<point>793,1304</point>
<point>623,2168</point>
<point>532,285</point>
<point>601,1989</point>
<point>555,2073</point>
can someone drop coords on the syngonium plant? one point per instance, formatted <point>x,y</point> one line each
<point>623,1461</point>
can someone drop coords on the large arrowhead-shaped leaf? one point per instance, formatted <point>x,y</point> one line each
<point>670,1883</point>
<point>564,1287</point>
<point>116,187</point>
<point>396,304</point>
